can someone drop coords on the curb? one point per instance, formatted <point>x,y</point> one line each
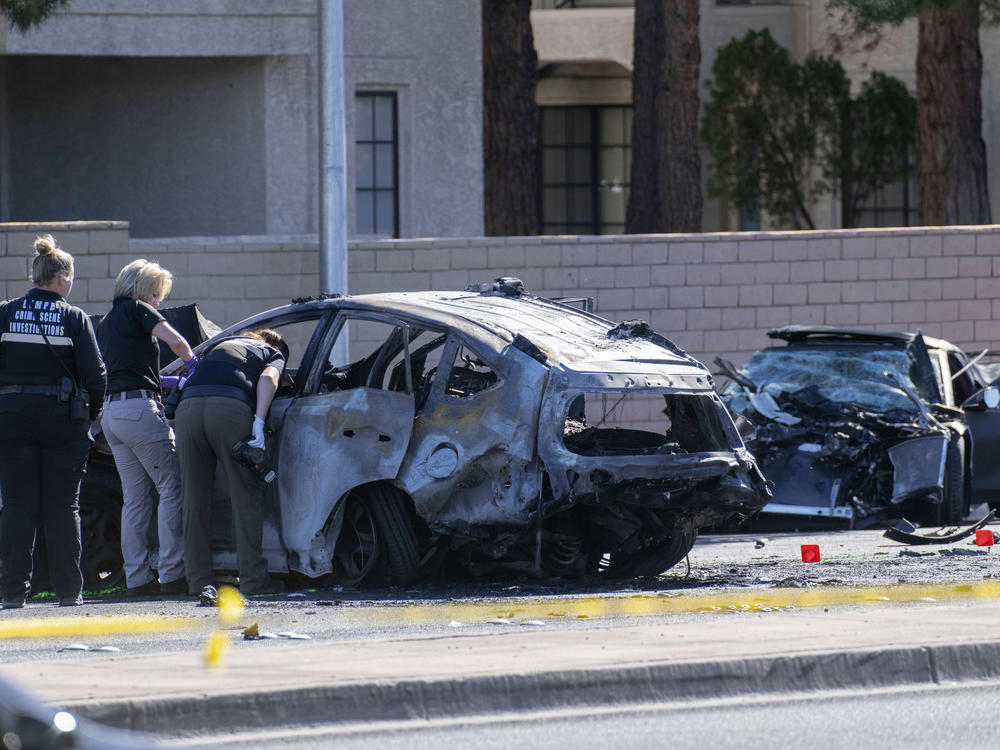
<point>608,686</point>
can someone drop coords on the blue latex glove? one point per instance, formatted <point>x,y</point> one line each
<point>169,382</point>
<point>258,433</point>
<point>189,365</point>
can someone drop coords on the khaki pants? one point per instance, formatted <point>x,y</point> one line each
<point>143,446</point>
<point>207,429</point>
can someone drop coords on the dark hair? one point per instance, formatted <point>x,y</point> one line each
<point>273,338</point>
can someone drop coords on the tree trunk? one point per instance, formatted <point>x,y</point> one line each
<point>951,154</point>
<point>510,119</point>
<point>665,191</point>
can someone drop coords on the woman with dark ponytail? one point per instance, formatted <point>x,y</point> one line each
<point>50,368</point>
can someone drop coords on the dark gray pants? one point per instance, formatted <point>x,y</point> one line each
<point>207,428</point>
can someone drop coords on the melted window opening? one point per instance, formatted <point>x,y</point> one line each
<point>635,424</point>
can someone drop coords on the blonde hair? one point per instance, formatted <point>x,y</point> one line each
<point>141,278</point>
<point>49,261</point>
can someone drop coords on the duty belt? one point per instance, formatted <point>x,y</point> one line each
<point>138,393</point>
<point>31,390</point>
<point>228,391</point>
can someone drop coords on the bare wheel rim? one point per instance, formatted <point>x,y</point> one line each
<point>357,550</point>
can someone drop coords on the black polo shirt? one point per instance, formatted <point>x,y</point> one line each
<point>130,350</point>
<point>43,338</point>
<point>234,364</point>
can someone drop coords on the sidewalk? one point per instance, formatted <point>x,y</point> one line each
<point>265,684</point>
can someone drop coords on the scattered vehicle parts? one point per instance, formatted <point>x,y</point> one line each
<point>865,426</point>
<point>906,533</point>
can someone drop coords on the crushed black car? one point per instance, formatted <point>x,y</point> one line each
<point>483,432</point>
<point>868,426</point>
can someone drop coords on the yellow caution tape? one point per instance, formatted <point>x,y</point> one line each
<point>692,602</point>
<point>50,627</point>
<point>519,609</point>
<point>216,646</point>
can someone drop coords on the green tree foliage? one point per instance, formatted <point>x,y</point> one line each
<point>768,121</point>
<point>23,14</point>
<point>784,133</point>
<point>868,15</point>
<point>952,170</point>
<point>877,141</point>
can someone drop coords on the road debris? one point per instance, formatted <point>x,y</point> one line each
<point>904,532</point>
<point>962,552</point>
<point>208,597</point>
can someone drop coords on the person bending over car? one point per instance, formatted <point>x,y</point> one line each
<point>226,400</point>
<point>137,429</point>
<point>52,383</point>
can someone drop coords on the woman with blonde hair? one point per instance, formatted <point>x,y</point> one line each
<point>52,384</point>
<point>137,429</point>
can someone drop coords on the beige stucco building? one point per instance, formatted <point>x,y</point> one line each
<point>199,117</point>
<point>585,60</point>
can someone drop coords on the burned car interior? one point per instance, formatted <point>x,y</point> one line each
<point>862,426</point>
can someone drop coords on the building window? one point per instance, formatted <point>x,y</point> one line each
<point>376,156</point>
<point>586,155</point>
<point>894,205</point>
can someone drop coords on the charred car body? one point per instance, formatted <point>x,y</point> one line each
<point>472,432</point>
<point>866,426</point>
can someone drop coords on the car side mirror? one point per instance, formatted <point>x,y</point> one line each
<point>746,428</point>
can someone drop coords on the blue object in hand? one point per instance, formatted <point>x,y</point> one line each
<point>190,365</point>
<point>169,382</point>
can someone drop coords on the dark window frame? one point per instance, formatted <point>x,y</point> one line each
<point>371,194</point>
<point>596,224</point>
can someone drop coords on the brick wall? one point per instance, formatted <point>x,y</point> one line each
<point>713,294</point>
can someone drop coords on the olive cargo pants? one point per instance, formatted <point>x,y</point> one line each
<point>207,428</point>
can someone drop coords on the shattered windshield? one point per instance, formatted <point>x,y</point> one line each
<point>841,375</point>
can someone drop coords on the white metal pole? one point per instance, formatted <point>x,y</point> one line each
<point>333,150</point>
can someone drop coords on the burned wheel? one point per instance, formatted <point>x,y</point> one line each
<point>377,545</point>
<point>100,526</point>
<point>357,550</point>
<point>952,508</point>
<point>651,560</point>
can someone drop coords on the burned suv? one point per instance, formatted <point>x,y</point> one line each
<point>481,431</point>
<point>867,426</point>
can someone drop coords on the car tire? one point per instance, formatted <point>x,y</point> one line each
<point>652,560</point>
<point>358,549</point>
<point>400,560</point>
<point>952,508</point>
<point>377,545</point>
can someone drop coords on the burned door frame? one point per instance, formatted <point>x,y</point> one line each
<point>272,546</point>
<point>455,483</point>
<point>329,444</point>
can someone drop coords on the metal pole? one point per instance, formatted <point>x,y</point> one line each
<point>333,150</point>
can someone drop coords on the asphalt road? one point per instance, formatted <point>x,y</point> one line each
<point>931,718</point>
<point>726,569</point>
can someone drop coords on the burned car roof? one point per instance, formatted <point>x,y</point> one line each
<point>797,334</point>
<point>568,338</point>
